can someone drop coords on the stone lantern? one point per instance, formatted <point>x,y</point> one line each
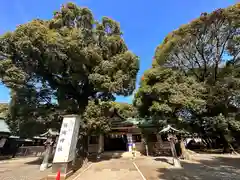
<point>172,139</point>
<point>49,143</point>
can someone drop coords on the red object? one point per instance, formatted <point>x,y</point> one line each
<point>58,175</point>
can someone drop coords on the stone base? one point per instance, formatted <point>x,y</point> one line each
<point>64,168</point>
<point>176,163</point>
<point>43,166</point>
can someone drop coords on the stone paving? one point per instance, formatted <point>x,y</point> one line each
<point>203,167</point>
<point>149,167</point>
<point>117,169</point>
<point>214,167</point>
<point>21,169</point>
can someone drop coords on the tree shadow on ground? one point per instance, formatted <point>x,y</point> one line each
<point>3,158</point>
<point>164,160</point>
<point>217,168</point>
<point>106,156</point>
<point>38,161</point>
<point>208,151</point>
<point>91,158</point>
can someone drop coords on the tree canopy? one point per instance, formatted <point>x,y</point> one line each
<point>100,117</point>
<point>203,46</point>
<point>196,69</point>
<point>168,95</point>
<point>64,63</point>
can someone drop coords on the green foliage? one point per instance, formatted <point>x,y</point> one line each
<point>26,115</point>
<point>196,70</point>
<point>64,62</point>
<point>100,116</point>
<point>97,116</point>
<point>125,110</point>
<point>201,46</point>
<point>165,93</point>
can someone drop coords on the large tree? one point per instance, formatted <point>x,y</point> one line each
<point>206,50</point>
<point>67,61</point>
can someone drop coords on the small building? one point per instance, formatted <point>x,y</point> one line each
<point>4,137</point>
<point>4,128</point>
<point>9,143</point>
<point>123,134</point>
<point>4,132</point>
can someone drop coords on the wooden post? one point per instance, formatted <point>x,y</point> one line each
<point>144,141</point>
<point>159,138</point>
<point>100,145</point>
<point>134,150</point>
<point>146,147</point>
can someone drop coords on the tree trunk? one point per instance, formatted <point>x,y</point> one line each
<point>144,140</point>
<point>146,148</point>
<point>83,149</point>
<point>81,155</point>
<point>100,145</point>
<point>184,153</point>
<point>209,143</point>
<point>227,147</point>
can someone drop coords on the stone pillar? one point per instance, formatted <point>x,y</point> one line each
<point>144,143</point>
<point>100,143</point>
<point>47,154</point>
<point>66,146</point>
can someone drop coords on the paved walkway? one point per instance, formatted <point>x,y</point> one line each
<point>21,169</point>
<point>204,167</point>
<point>117,169</point>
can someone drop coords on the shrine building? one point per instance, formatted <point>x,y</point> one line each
<point>122,136</point>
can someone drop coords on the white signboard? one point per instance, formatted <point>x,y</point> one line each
<point>67,140</point>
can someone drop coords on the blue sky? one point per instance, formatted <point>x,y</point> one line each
<point>144,23</point>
